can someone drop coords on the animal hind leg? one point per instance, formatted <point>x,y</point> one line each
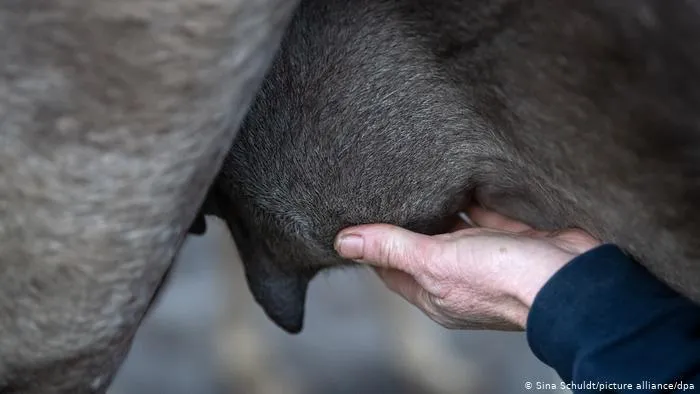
<point>115,119</point>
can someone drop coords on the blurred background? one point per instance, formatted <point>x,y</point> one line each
<point>207,336</point>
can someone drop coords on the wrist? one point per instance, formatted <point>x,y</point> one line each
<point>518,313</point>
<point>524,290</point>
<point>537,275</point>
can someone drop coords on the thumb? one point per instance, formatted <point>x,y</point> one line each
<point>383,245</point>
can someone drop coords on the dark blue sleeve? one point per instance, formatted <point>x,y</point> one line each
<point>604,318</point>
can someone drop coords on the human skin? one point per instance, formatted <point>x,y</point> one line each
<point>483,277</point>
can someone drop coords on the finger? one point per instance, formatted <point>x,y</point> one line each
<point>493,220</point>
<point>401,283</point>
<point>460,226</point>
<point>409,289</point>
<point>459,232</point>
<point>574,240</point>
<point>463,221</point>
<point>383,245</point>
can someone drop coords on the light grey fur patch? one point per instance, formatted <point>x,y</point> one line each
<point>115,116</point>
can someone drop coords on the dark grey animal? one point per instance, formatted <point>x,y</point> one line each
<point>580,113</point>
<point>115,116</point>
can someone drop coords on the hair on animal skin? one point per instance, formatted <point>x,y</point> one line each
<point>559,114</point>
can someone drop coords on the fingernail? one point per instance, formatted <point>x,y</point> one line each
<point>381,271</point>
<point>350,246</point>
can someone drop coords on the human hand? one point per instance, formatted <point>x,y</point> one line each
<point>483,277</point>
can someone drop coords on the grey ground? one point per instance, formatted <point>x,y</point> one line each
<point>348,344</point>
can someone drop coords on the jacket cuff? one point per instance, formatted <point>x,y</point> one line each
<point>600,296</point>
